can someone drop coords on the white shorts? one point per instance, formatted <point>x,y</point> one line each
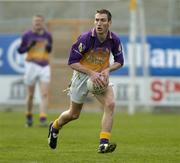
<point>35,73</point>
<point>78,89</point>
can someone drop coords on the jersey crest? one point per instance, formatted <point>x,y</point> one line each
<point>81,47</point>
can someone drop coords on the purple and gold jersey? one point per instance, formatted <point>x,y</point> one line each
<point>93,54</point>
<point>39,52</point>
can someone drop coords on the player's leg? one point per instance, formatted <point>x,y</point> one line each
<point>67,116</point>
<point>78,93</point>
<point>29,114</point>
<point>107,100</point>
<point>44,77</point>
<point>29,80</point>
<point>44,89</point>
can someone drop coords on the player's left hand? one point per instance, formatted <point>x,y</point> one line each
<point>105,74</point>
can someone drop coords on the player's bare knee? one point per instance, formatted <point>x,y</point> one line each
<point>110,105</point>
<point>44,95</point>
<point>30,97</point>
<point>74,116</point>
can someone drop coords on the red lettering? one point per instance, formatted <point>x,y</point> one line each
<point>177,87</point>
<point>156,87</point>
<point>168,86</point>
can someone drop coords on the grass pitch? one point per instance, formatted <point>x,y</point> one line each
<point>142,138</point>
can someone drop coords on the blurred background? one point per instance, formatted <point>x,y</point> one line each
<point>149,32</point>
<point>162,16</point>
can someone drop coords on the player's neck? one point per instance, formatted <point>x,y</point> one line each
<point>102,37</point>
<point>40,31</point>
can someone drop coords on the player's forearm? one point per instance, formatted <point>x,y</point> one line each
<point>22,49</point>
<point>48,48</point>
<point>80,68</point>
<point>115,66</point>
<point>25,46</point>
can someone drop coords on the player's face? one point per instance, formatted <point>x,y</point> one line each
<point>101,23</point>
<point>38,23</point>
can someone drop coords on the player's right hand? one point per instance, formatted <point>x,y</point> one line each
<point>32,44</point>
<point>98,80</point>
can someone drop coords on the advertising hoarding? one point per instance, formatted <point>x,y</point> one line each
<point>163,81</point>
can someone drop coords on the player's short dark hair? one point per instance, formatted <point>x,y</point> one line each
<point>104,11</point>
<point>40,16</point>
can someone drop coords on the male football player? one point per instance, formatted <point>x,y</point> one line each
<point>37,43</point>
<point>89,58</point>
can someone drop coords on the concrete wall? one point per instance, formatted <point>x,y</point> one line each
<point>162,16</point>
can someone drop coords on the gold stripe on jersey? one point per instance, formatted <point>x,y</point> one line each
<point>38,52</point>
<point>96,60</point>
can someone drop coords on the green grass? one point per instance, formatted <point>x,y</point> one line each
<point>142,138</point>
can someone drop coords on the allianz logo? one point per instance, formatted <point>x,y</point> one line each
<point>158,57</point>
<point>16,61</point>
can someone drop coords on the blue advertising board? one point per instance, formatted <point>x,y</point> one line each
<point>163,51</point>
<point>164,54</point>
<point>11,63</point>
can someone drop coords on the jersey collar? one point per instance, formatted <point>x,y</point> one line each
<point>93,33</point>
